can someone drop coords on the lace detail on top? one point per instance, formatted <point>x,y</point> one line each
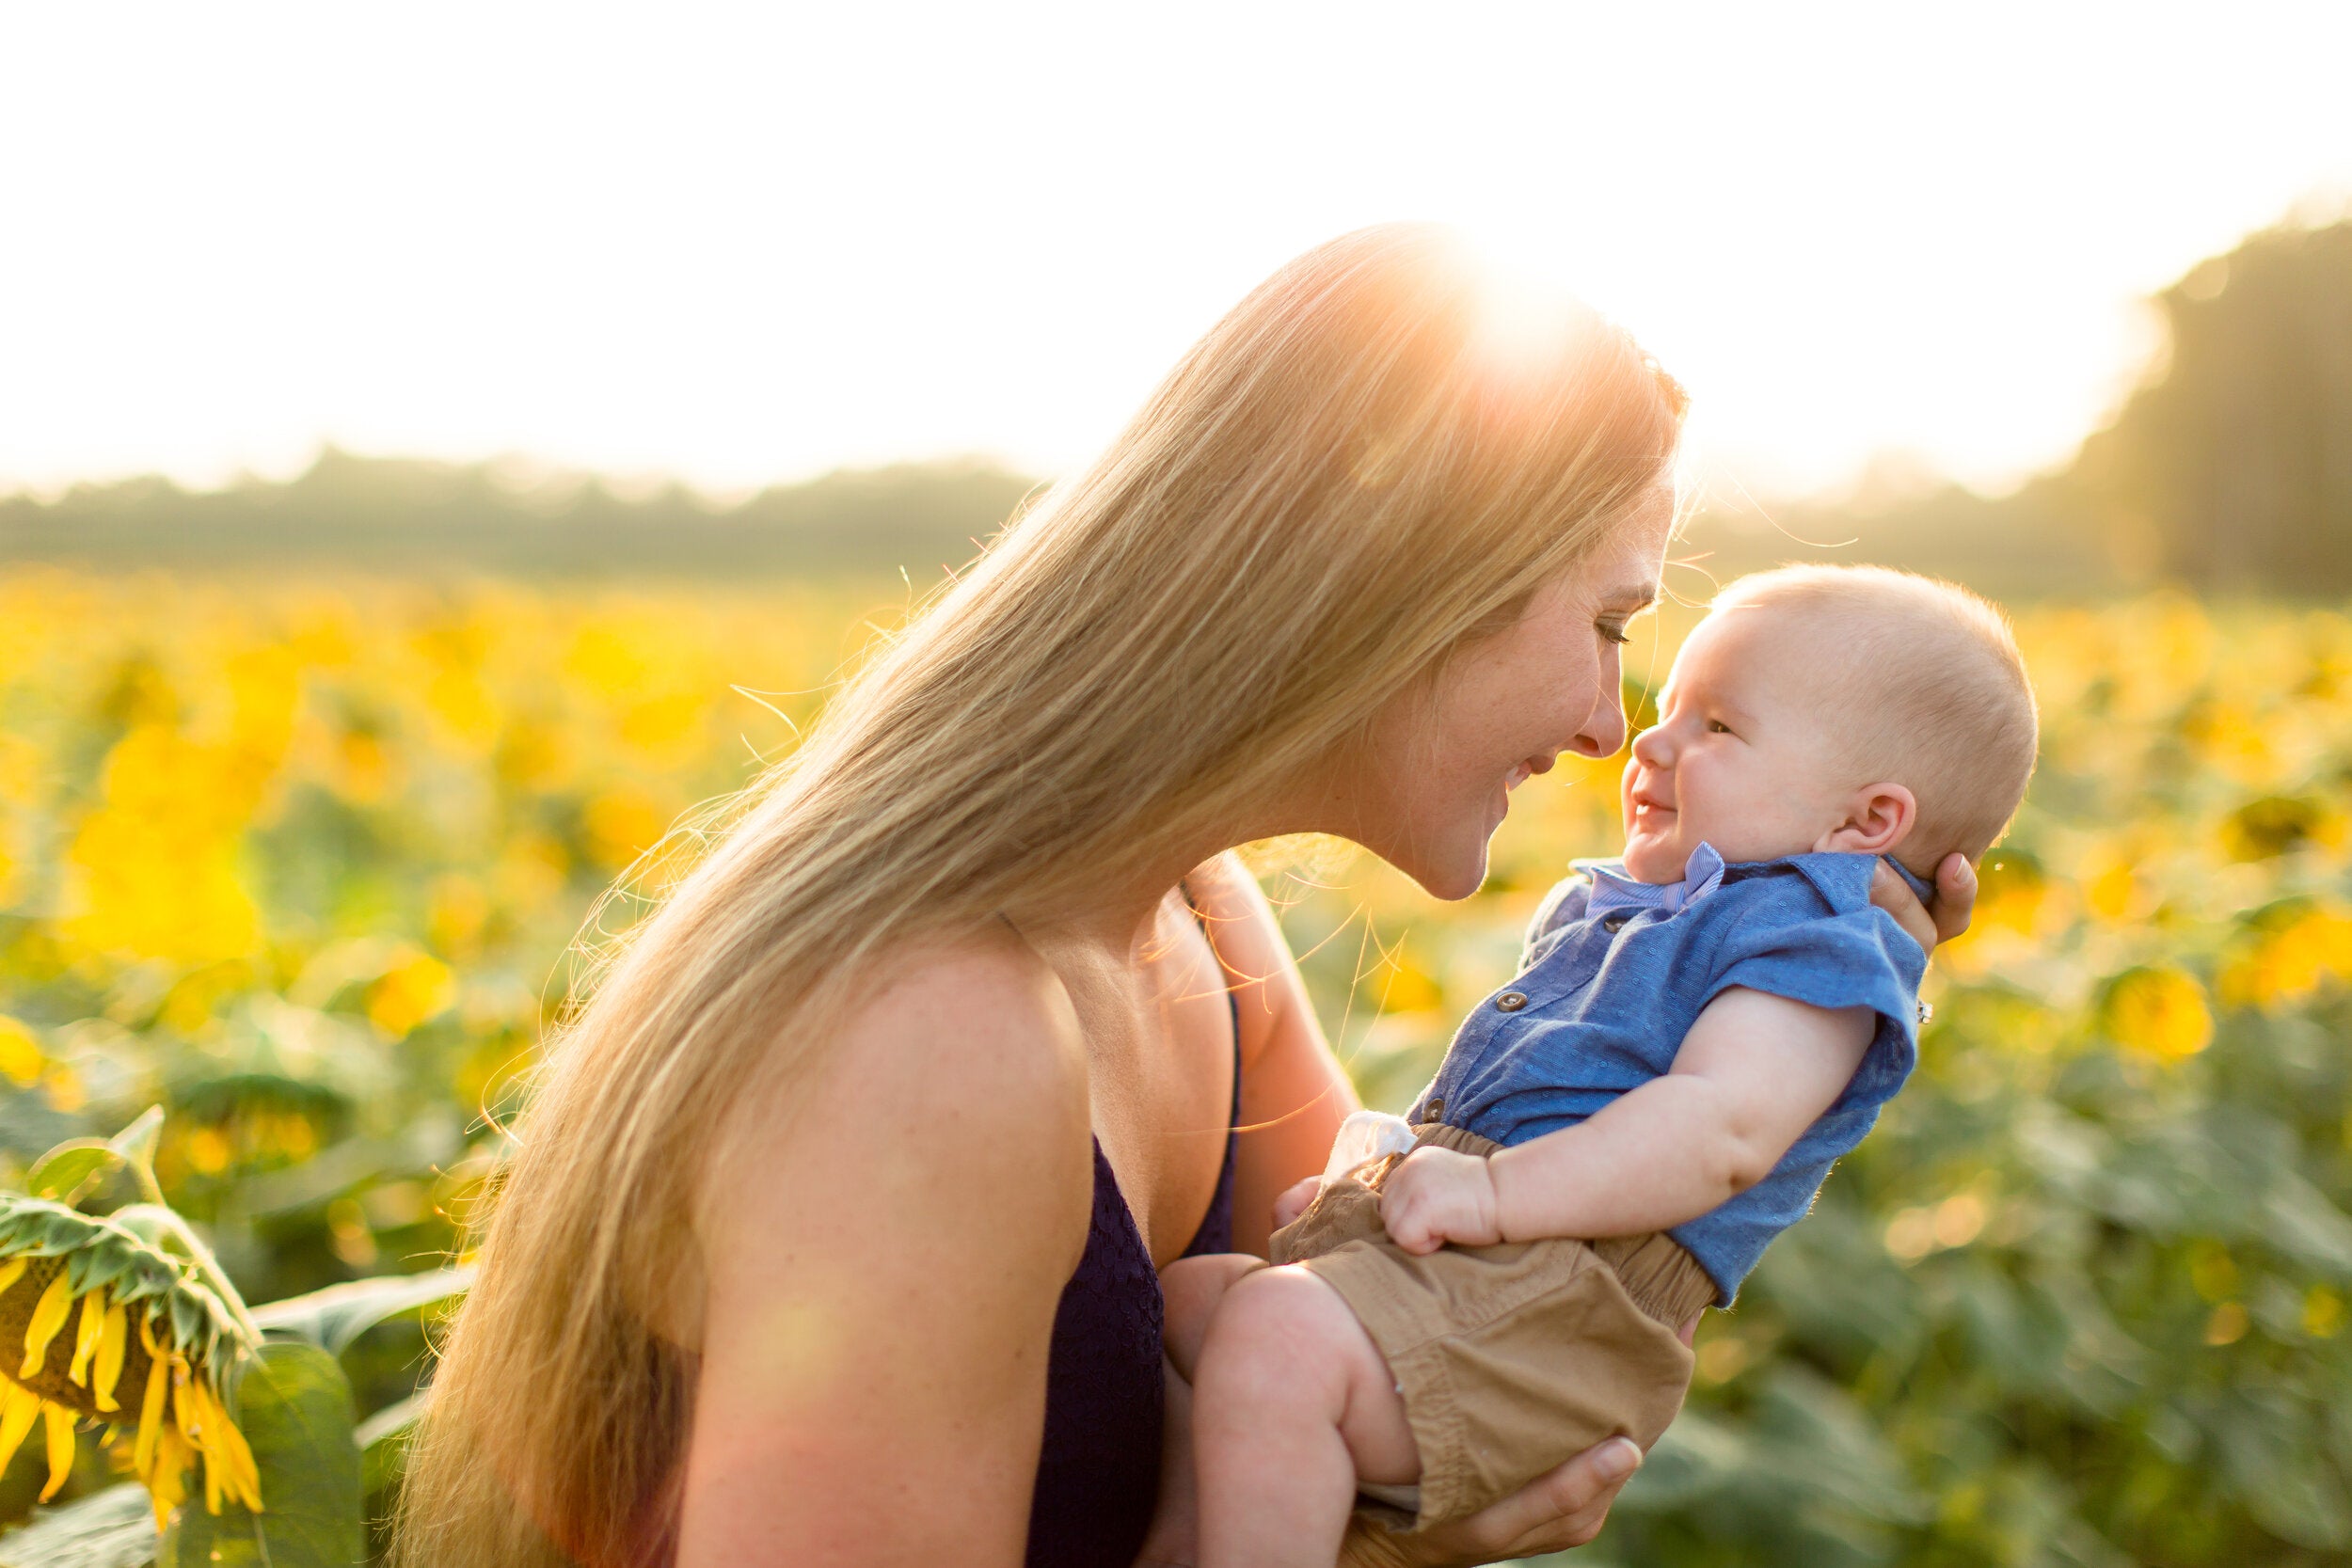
<point>1098,1473</point>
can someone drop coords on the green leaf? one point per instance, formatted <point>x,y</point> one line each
<point>294,1407</point>
<point>70,1169</point>
<point>73,1165</point>
<point>383,1440</point>
<point>333,1318</point>
<point>114,1529</point>
<point>136,1142</point>
<point>1696,1457</point>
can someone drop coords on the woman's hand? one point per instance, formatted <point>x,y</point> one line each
<point>1930,924</point>
<point>1558,1510</point>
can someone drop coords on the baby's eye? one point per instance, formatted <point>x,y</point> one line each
<point>1716,726</point>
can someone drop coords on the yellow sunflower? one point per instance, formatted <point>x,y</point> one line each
<point>122,1320</point>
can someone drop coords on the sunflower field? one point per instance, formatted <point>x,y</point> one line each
<point>304,864</point>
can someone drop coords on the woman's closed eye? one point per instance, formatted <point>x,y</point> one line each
<point>1613,631</point>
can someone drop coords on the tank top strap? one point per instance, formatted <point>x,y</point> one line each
<point>1217,1226</point>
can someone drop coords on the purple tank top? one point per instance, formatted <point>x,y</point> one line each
<point>1098,1475</point>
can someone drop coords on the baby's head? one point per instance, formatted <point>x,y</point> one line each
<point>1827,707</point>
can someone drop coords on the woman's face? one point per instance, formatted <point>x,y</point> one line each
<point>1444,755</point>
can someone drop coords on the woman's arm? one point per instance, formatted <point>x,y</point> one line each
<point>884,1259</point>
<point>1293,1092</point>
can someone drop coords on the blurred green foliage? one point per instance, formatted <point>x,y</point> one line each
<point>2231,467</point>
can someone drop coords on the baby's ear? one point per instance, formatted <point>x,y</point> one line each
<point>1878,817</point>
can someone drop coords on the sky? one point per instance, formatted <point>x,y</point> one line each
<point>750,243</point>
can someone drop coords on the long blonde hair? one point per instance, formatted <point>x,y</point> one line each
<point>1357,468</point>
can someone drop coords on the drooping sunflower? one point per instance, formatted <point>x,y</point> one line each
<point>122,1321</point>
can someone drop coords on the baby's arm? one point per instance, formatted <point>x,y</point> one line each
<point>1750,1077</point>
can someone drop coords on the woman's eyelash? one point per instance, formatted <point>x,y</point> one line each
<point>1613,631</point>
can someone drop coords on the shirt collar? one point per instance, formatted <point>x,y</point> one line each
<point>1843,880</point>
<point>1613,889</point>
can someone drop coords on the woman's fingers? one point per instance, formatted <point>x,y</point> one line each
<point>1955,896</point>
<point>1890,893</point>
<point>1928,926</point>
<point>1560,1508</point>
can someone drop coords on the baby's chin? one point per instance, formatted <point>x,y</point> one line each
<point>1654,859</point>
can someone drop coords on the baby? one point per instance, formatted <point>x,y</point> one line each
<point>1697,1032</point>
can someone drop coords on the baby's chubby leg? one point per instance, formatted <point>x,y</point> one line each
<point>1293,1405</point>
<point>1192,1286</point>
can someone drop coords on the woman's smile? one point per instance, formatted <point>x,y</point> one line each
<point>1527,768</point>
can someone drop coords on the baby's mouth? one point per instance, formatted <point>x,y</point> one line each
<point>1649,810</point>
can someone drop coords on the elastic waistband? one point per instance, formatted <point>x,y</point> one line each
<point>1656,1271</point>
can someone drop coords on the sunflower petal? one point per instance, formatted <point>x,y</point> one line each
<point>227,1451</point>
<point>48,1316</point>
<point>85,1335</point>
<point>60,1424</point>
<point>184,1414</point>
<point>106,1368</point>
<point>16,1418</point>
<point>169,1485</point>
<point>12,1271</point>
<point>151,1424</point>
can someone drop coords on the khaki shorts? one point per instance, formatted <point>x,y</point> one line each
<point>1510,1358</point>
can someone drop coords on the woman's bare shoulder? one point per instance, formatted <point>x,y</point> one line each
<point>1249,947</point>
<point>884,1261</point>
<point>979,1013</point>
<point>973,1027</point>
<point>1240,920</point>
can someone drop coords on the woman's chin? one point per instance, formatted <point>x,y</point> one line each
<point>1451,877</point>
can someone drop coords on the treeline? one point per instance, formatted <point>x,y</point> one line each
<point>2228,470</point>
<point>407,515</point>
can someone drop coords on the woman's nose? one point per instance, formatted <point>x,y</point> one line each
<point>1603,734</point>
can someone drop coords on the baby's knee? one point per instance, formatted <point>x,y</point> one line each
<point>1192,1287</point>
<point>1277,1326</point>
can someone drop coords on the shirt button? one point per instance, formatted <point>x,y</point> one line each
<point>1613,922</point>
<point>1510,1001</point>
<point>1436,1109</point>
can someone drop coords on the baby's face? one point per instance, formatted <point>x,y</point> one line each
<point>1743,755</point>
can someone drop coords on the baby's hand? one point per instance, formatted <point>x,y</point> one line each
<point>1435,1195</point>
<point>1295,1200</point>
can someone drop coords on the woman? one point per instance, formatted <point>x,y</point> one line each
<point>829,1236</point>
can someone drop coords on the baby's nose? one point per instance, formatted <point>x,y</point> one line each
<point>1650,748</point>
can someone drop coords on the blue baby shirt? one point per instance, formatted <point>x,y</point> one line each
<point>1615,973</point>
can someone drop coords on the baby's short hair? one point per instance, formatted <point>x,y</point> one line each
<point>1938,669</point>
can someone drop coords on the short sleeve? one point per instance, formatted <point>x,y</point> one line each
<point>1861,960</point>
<point>1562,907</point>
